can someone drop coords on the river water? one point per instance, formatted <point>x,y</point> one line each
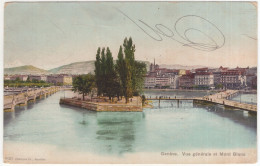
<point>165,127</point>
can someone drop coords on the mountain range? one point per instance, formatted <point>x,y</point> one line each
<point>176,66</point>
<point>28,69</point>
<point>73,68</point>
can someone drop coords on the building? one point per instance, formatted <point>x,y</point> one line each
<point>174,81</point>
<point>161,77</point>
<point>186,81</point>
<point>233,79</point>
<point>250,81</point>
<point>154,66</point>
<point>202,70</point>
<point>14,77</point>
<point>61,79</point>
<point>38,78</point>
<point>217,76</point>
<point>149,82</point>
<point>204,79</point>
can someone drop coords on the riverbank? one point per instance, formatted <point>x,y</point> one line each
<point>197,90</point>
<point>26,153</point>
<point>182,90</point>
<point>135,105</point>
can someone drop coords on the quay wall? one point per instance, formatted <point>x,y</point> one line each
<point>101,106</point>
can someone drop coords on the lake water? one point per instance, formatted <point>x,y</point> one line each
<point>246,98</point>
<point>162,128</point>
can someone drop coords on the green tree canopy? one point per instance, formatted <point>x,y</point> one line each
<point>125,78</point>
<point>84,84</point>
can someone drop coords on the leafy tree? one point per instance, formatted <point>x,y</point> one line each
<point>17,79</point>
<point>28,79</point>
<point>140,72</point>
<point>83,84</point>
<point>219,86</point>
<point>129,50</point>
<point>137,69</point>
<point>123,79</point>
<point>110,75</point>
<point>98,73</point>
<point>35,81</point>
<point>143,99</point>
<point>123,69</point>
<point>103,72</point>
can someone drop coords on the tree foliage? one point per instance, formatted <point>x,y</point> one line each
<point>125,78</point>
<point>98,72</point>
<point>84,84</point>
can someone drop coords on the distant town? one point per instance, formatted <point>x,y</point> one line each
<point>54,79</point>
<point>201,78</point>
<point>165,78</point>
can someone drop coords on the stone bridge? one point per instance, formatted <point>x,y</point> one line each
<point>10,101</point>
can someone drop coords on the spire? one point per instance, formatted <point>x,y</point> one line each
<point>154,61</point>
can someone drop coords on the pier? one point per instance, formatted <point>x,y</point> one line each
<point>10,101</point>
<point>220,98</point>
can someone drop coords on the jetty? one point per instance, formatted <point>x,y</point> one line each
<point>21,99</point>
<point>135,104</point>
<point>220,98</point>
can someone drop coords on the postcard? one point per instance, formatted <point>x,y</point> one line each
<point>130,82</point>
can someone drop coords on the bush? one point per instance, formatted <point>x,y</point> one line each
<point>143,99</point>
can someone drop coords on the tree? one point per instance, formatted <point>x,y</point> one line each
<point>140,72</point>
<point>123,69</point>
<point>28,79</point>
<point>110,75</point>
<point>137,69</point>
<point>98,72</point>
<point>83,84</point>
<point>103,72</point>
<point>129,50</point>
<point>17,79</point>
<point>123,79</point>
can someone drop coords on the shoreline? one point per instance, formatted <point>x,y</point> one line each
<point>28,153</point>
<point>182,90</point>
<point>134,106</point>
<point>197,90</point>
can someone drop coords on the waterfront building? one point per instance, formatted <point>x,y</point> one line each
<point>174,81</point>
<point>14,77</point>
<point>217,76</point>
<point>251,81</point>
<point>233,79</point>
<point>7,77</point>
<point>161,77</point>
<point>38,78</point>
<point>149,82</point>
<point>61,79</point>
<point>67,80</point>
<point>204,79</point>
<point>161,81</point>
<point>186,81</point>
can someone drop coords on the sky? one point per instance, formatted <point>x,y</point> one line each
<point>51,34</point>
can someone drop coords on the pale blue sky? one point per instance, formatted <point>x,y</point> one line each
<point>52,34</point>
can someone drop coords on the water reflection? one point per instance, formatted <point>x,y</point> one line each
<point>236,115</point>
<point>157,129</point>
<point>116,131</point>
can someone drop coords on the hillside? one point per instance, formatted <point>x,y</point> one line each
<point>78,68</point>
<point>181,67</point>
<point>28,69</point>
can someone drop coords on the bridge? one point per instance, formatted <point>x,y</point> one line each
<point>10,101</point>
<point>220,98</point>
